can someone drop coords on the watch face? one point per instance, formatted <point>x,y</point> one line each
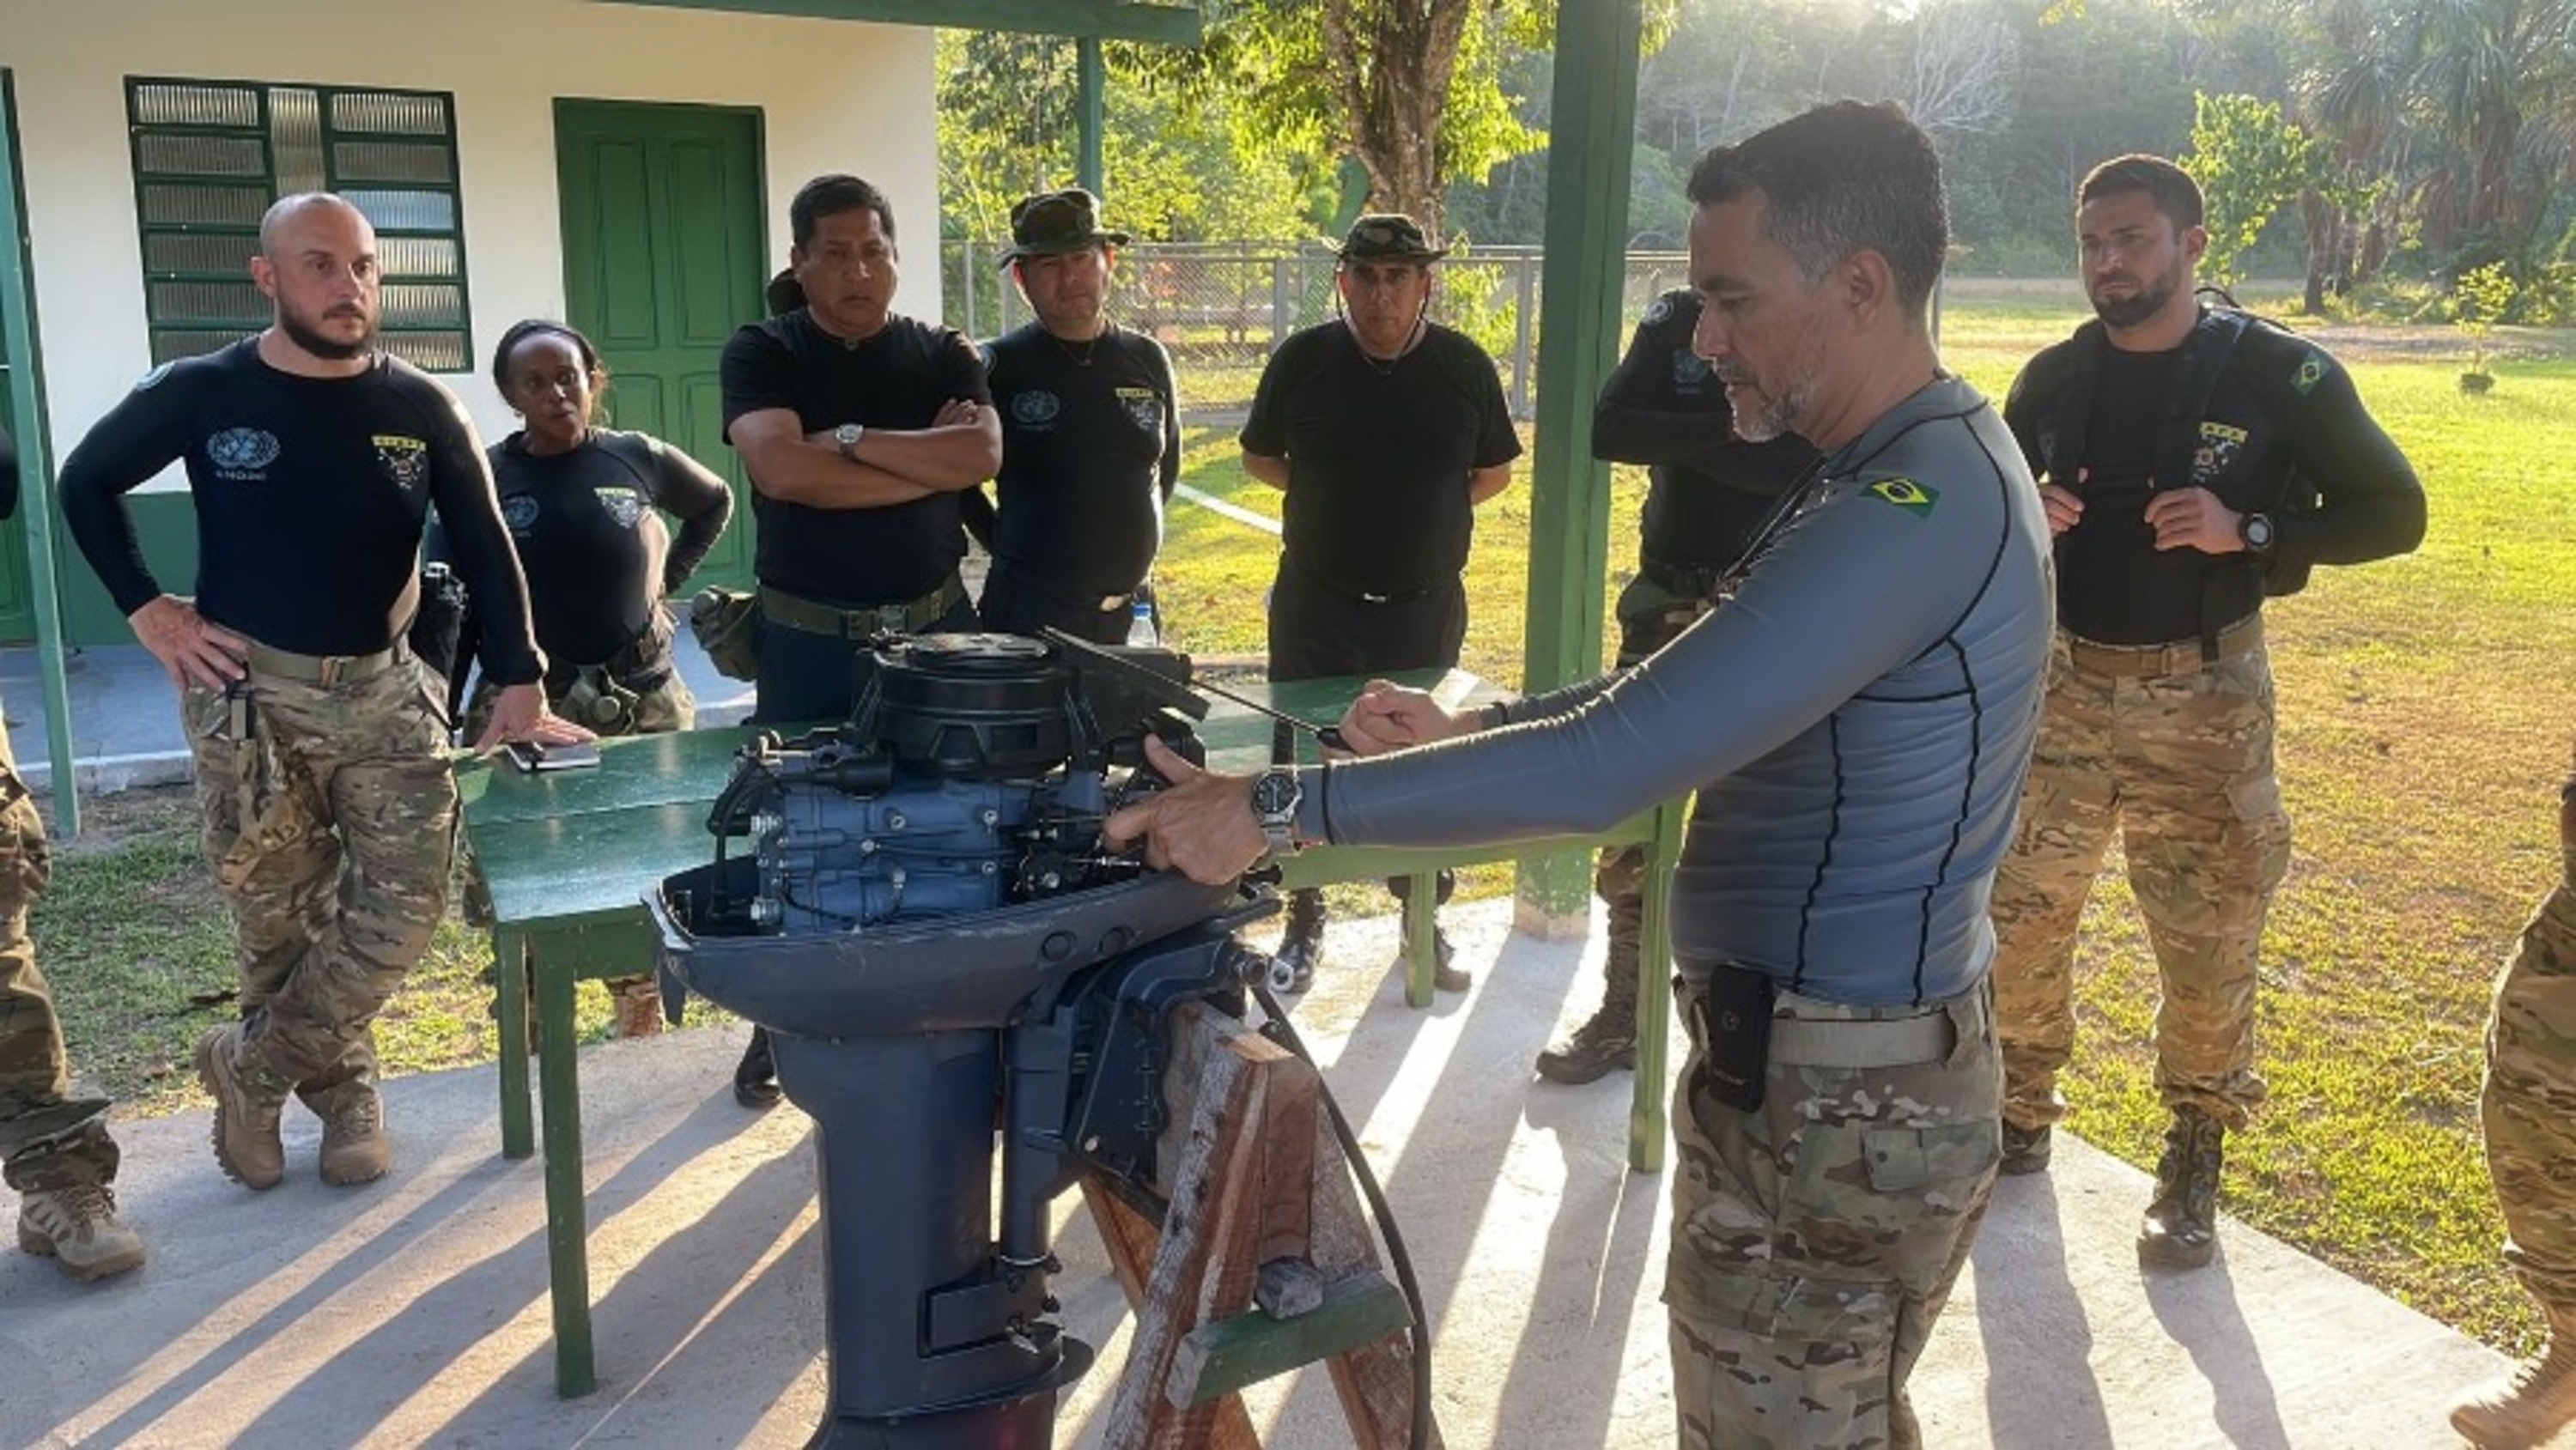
<point>2258,531</point>
<point>1275,793</point>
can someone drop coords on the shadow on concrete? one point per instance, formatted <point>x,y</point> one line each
<point>2198,1308</point>
<point>653,1312</point>
<point>2040,1389</point>
<point>1598,1261</point>
<point>329,1216</point>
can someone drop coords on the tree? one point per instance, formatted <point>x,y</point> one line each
<point>2250,161</point>
<point>1179,169</point>
<point>1414,91</point>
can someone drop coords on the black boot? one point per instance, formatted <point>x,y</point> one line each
<point>1301,951</point>
<point>1445,975</point>
<point>755,1082</point>
<point>2181,1225</point>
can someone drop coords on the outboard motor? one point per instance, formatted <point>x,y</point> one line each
<point>917,905</point>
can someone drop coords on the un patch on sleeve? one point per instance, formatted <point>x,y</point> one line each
<point>1906,494</point>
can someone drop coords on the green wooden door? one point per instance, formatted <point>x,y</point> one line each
<point>17,613</point>
<point>663,259</point>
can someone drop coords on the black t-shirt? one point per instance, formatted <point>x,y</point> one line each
<point>1379,453</point>
<point>310,497</point>
<point>897,378</point>
<point>1091,446</point>
<point>1706,489</point>
<point>596,553</point>
<point>2113,584</point>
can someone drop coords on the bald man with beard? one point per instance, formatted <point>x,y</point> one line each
<point>320,742</point>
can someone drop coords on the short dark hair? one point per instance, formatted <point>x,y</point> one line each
<point>830,196</point>
<point>2167,185</point>
<point>1842,178</point>
<point>521,331</point>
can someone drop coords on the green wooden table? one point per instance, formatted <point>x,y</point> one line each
<point>568,855</point>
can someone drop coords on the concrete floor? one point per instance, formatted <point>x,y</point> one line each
<point>413,1311</point>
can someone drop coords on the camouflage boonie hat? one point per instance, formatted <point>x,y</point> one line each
<point>1053,223</point>
<point>1388,237</point>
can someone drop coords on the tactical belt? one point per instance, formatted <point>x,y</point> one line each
<point>1862,1042</point>
<point>324,670</point>
<point>2181,657</point>
<point>865,622</point>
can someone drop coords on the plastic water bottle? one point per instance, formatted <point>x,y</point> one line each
<point>1140,625</point>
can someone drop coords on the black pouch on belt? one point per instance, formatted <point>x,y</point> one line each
<point>1735,1033</point>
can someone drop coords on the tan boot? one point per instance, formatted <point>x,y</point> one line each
<point>2531,1405</point>
<point>639,1007</point>
<point>78,1229</point>
<point>354,1146</point>
<point>246,1142</point>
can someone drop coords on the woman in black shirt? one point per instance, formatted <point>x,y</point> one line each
<point>584,506</point>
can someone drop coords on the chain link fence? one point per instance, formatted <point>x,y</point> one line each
<point>1220,307</point>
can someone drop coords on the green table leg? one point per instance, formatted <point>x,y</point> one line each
<point>567,1219</point>
<point>510,1009</point>
<point>1655,991</point>
<point>1421,919</point>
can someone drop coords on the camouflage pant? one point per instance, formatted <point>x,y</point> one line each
<point>330,823</point>
<point>1649,616</point>
<point>1816,1239</point>
<point>2529,1107</point>
<point>2181,766</point>
<point>48,1140</point>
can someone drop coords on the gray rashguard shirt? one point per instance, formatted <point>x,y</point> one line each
<point>1856,718</point>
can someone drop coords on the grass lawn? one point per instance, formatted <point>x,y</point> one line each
<point>2427,707</point>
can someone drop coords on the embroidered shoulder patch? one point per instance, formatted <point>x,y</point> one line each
<point>1906,494</point>
<point>2312,371</point>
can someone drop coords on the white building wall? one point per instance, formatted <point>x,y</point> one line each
<point>834,96</point>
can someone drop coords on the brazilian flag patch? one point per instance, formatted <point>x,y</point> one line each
<point>1906,494</point>
<point>2312,371</point>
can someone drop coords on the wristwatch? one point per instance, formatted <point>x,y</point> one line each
<point>848,436</point>
<point>2256,531</point>
<point>1275,794</point>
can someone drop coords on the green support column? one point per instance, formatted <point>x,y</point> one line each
<point>1093,78</point>
<point>1592,137</point>
<point>35,476</point>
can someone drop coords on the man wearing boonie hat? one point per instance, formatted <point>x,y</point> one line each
<point>1091,439</point>
<point>1385,429</point>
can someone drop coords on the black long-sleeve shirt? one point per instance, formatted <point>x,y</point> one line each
<point>2278,403</point>
<point>1706,489</point>
<point>311,495</point>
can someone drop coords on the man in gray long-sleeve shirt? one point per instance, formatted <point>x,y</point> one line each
<point>1856,715</point>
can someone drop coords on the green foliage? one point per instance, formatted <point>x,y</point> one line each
<point>1179,166</point>
<point>2479,300</point>
<point>1478,299</point>
<point>2250,161</point>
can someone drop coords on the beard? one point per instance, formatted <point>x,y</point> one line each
<point>307,335</point>
<point>2139,306</point>
<point>1779,414</point>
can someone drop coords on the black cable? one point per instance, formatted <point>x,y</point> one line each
<point>1278,1030</point>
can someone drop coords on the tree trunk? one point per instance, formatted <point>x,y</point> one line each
<point>1392,61</point>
